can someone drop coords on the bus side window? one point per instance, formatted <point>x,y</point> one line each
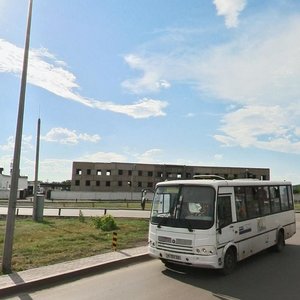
<point>224,211</point>
<point>284,197</point>
<point>240,203</point>
<point>291,203</point>
<point>252,202</point>
<point>263,199</point>
<point>275,201</point>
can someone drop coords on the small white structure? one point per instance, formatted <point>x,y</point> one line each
<point>5,181</point>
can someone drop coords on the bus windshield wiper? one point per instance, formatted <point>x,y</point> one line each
<point>161,222</point>
<point>189,226</point>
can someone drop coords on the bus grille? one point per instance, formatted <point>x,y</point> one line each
<point>175,244</point>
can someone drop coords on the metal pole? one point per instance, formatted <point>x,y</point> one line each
<point>10,220</point>
<point>35,204</point>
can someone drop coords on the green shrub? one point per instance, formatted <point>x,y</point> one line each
<point>81,217</point>
<point>97,222</point>
<point>105,223</point>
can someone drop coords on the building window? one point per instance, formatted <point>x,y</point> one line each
<point>99,173</point>
<point>139,184</point>
<point>160,174</point>
<point>179,175</point>
<point>119,183</point>
<point>150,173</point>
<point>188,175</point>
<point>120,172</point>
<point>78,172</point>
<point>108,172</point>
<point>77,182</point>
<point>88,183</point>
<point>140,173</point>
<point>107,183</point>
<point>130,173</point>
<point>88,171</point>
<point>98,183</point>
<point>150,184</point>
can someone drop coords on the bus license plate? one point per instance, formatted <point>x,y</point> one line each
<point>173,256</point>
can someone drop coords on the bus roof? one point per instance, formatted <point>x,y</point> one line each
<point>217,183</point>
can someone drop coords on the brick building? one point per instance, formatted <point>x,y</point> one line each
<point>134,177</point>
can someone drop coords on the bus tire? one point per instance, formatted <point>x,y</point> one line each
<point>229,261</point>
<point>280,241</point>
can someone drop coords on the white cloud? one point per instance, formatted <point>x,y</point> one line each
<point>45,71</point>
<point>255,69</point>
<point>71,137</point>
<point>152,79</point>
<point>256,73</point>
<point>190,115</point>
<point>218,156</point>
<point>10,144</point>
<point>150,156</point>
<point>143,108</point>
<point>5,162</point>
<point>260,65</point>
<point>260,74</point>
<point>103,157</point>
<point>54,170</point>
<point>231,10</point>
<point>265,127</point>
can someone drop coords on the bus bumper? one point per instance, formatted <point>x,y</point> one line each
<point>201,261</point>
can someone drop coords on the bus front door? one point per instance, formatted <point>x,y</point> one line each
<point>225,231</point>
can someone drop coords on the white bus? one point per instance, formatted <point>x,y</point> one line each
<point>216,223</point>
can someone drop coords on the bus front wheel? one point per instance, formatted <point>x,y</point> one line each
<point>229,261</point>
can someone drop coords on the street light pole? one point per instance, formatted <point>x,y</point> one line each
<point>35,216</point>
<point>10,220</point>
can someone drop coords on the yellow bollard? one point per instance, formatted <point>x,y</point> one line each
<point>114,241</point>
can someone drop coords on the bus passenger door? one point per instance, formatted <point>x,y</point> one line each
<point>225,227</point>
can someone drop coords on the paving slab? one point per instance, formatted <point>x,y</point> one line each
<point>20,281</point>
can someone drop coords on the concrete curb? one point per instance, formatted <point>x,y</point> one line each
<point>21,286</point>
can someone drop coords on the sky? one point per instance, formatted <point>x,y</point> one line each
<point>195,82</point>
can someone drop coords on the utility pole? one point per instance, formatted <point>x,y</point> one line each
<point>10,219</point>
<point>35,204</point>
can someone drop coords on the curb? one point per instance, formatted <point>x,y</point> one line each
<point>73,274</point>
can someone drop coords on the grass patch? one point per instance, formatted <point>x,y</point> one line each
<point>62,239</point>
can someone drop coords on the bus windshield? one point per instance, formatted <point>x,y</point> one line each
<point>183,206</point>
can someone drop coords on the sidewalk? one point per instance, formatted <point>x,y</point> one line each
<point>87,212</point>
<point>35,278</point>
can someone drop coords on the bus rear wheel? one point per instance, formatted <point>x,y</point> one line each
<point>229,262</point>
<point>280,242</point>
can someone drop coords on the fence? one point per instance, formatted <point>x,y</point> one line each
<point>110,196</point>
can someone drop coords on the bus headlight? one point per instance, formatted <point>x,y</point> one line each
<point>206,250</point>
<point>152,243</point>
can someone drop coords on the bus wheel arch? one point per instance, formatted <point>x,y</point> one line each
<point>229,260</point>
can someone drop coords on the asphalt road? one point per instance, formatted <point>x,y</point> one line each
<point>268,275</point>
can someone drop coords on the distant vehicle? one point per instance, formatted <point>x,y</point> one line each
<point>214,223</point>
